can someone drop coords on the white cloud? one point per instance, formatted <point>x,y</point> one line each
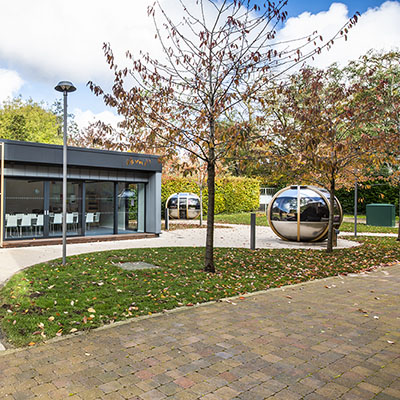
<point>84,118</point>
<point>378,28</point>
<point>51,40</point>
<point>10,83</point>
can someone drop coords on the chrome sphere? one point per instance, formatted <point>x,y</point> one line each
<point>301,213</point>
<point>183,205</point>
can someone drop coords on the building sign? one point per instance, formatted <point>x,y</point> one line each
<point>143,163</point>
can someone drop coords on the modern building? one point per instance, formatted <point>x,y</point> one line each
<point>108,193</point>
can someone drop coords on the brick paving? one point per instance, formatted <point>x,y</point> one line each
<point>331,339</point>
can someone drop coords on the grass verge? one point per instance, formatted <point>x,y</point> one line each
<point>241,219</point>
<point>49,299</point>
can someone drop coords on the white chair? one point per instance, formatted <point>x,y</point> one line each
<point>11,224</point>
<point>26,222</point>
<point>89,220</point>
<point>39,224</point>
<point>76,220</point>
<point>96,218</point>
<point>72,219</point>
<point>57,221</point>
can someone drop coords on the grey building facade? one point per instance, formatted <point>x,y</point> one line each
<point>108,192</point>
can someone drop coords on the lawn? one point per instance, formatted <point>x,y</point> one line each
<point>241,218</point>
<point>49,299</point>
<point>361,227</point>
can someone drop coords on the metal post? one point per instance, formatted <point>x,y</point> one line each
<point>64,87</point>
<point>2,199</point>
<point>166,219</point>
<point>64,205</point>
<point>355,207</point>
<point>252,231</point>
<point>201,205</point>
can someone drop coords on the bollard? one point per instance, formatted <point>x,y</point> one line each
<point>166,219</point>
<point>252,231</point>
<point>334,237</point>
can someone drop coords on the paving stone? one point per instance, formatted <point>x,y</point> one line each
<point>264,347</point>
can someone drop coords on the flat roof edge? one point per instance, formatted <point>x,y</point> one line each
<point>43,153</point>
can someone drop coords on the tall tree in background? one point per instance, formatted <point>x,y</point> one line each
<point>217,57</point>
<point>28,121</point>
<point>383,69</point>
<point>326,128</point>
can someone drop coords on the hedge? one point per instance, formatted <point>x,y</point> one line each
<point>232,195</point>
<point>368,194</point>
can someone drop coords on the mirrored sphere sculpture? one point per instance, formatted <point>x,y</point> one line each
<point>183,205</point>
<point>301,213</point>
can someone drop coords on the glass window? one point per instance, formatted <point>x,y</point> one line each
<point>284,207</point>
<point>99,208</point>
<point>312,207</point>
<point>24,214</point>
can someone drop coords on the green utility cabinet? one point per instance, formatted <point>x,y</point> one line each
<point>381,214</point>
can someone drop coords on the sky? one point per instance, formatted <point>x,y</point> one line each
<point>45,41</point>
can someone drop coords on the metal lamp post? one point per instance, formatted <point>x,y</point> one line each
<point>65,87</point>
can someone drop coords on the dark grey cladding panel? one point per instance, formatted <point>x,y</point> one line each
<point>19,170</point>
<point>39,153</point>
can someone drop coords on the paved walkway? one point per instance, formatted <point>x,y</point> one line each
<point>337,338</point>
<point>14,259</point>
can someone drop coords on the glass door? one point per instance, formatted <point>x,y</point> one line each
<point>74,208</point>
<point>131,207</point>
<point>99,208</point>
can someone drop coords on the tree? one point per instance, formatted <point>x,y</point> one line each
<point>383,69</point>
<point>219,56</point>
<point>327,127</point>
<point>28,121</point>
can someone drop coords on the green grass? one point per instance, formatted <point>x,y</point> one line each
<point>361,227</point>
<point>49,299</point>
<point>241,218</point>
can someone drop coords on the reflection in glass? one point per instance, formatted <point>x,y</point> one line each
<point>285,206</point>
<point>183,205</point>
<point>131,207</point>
<point>301,213</point>
<point>312,207</point>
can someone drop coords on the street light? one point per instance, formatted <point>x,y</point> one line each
<point>64,87</point>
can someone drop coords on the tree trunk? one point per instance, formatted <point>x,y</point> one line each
<point>398,232</point>
<point>209,257</point>
<point>329,246</point>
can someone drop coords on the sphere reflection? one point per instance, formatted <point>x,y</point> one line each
<point>301,213</point>
<point>183,205</point>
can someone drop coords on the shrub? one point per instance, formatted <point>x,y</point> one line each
<point>368,194</point>
<point>232,194</point>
